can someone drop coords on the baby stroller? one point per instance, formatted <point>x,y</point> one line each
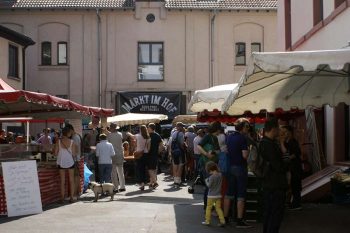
<point>198,177</point>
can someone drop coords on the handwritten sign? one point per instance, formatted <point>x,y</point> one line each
<point>21,188</point>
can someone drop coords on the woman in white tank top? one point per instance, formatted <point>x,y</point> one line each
<point>65,151</point>
<point>143,143</point>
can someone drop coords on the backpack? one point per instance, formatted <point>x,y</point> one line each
<point>175,146</point>
<point>256,163</point>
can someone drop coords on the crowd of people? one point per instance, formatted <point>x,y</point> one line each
<point>222,160</point>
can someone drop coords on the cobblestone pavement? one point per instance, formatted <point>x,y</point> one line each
<point>165,210</point>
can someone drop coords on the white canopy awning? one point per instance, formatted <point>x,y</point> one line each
<point>186,119</point>
<point>136,118</point>
<point>291,80</point>
<point>211,98</point>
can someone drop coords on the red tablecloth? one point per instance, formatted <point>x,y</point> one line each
<point>49,182</point>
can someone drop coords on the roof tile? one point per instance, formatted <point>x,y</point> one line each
<point>170,4</point>
<point>222,4</point>
<point>67,4</point>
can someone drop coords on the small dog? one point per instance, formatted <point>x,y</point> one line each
<point>101,188</point>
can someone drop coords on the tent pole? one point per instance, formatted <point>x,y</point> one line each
<point>27,132</point>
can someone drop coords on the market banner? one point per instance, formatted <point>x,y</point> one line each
<point>167,103</point>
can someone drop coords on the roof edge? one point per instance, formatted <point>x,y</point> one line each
<point>15,36</point>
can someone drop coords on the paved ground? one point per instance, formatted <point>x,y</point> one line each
<point>164,210</point>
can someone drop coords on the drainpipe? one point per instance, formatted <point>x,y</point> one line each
<point>99,63</point>
<point>212,31</point>
<point>24,68</point>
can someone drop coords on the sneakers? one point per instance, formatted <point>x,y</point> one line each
<point>121,190</point>
<point>208,224</point>
<point>205,224</point>
<point>242,224</point>
<point>295,208</point>
<point>155,185</point>
<point>221,224</point>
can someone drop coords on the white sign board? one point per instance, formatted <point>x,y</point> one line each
<point>21,188</point>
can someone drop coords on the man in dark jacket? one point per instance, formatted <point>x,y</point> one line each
<point>274,182</point>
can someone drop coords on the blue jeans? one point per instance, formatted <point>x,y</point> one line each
<point>237,182</point>
<point>105,171</point>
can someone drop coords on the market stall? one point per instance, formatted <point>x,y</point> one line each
<point>38,106</point>
<point>211,99</point>
<point>292,80</point>
<point>186,119</point>
<point>302,80</point>
<point>136,119</point>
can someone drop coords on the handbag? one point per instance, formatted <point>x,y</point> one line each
<point>76,164</point>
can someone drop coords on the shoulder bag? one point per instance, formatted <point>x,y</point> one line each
<point>76,164</point>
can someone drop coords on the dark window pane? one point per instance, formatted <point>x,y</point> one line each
<point>240,53</point>
<point>46,53</point>
<point>13,61</point>
<point>144,53</point>
<point>62,53</point>
<point>157,53</point>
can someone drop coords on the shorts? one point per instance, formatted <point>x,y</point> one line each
<point>237,179</point>
<point>179,158</point>
<point>152,162</point>
<point>59,167</point>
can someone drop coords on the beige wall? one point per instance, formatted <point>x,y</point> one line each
<point>186,38</point>
<point>302,22</point>
<point>332,36</point>
<point>4,64</point>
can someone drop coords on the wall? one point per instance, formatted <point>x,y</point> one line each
<point>325,38</point>
<point>186,37</point>
<point>301,22</point>
<point>4,61</point>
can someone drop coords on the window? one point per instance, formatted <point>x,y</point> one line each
<point>62,53</point>
<point>46,53</point>
<point>13,61</point>
<point>287,24</point>
<point>318,11</point>
<point>150,61</point>
<point>240,53</point>
<point>255,47</point>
